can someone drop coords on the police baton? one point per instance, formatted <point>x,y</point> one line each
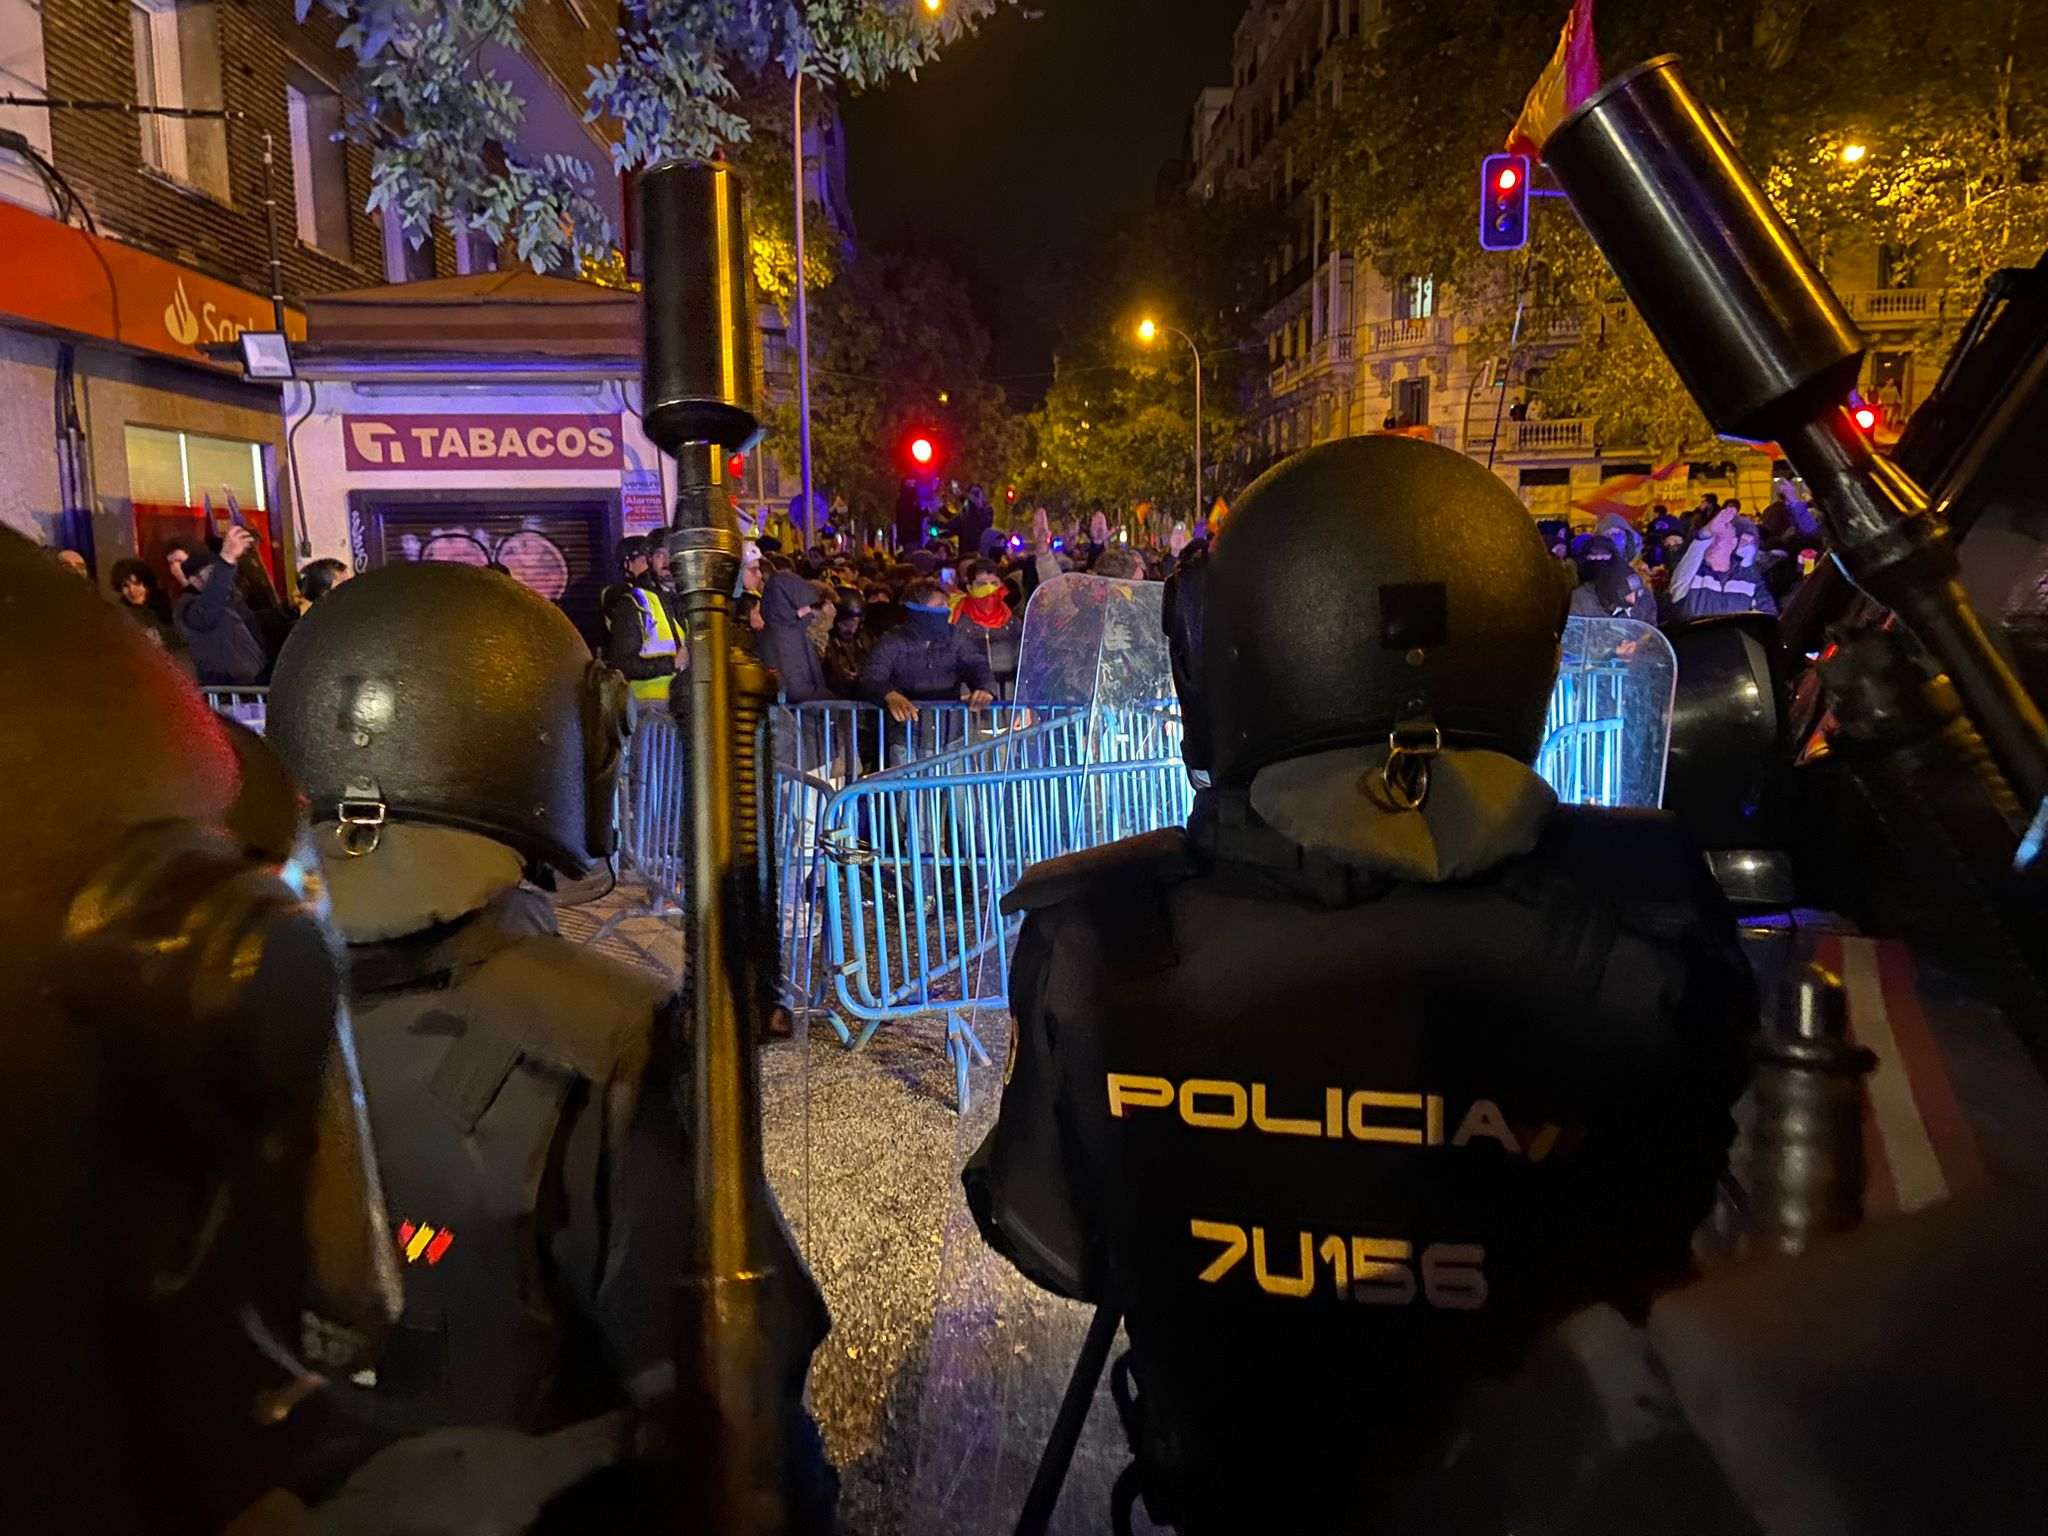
<point>732,1386</point>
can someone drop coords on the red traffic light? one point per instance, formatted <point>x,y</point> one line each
<point>1503,202</point>
<point>1010,493</point>
<point>736,467</point>
<point>921,450</point>
<point>1865,417</point>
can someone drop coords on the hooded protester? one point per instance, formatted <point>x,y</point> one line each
<point>1606,590</point>
<point>1721,572</point>
<point>925,658</point>
<point>785,642</point>
<point>214,619</point>
<point>1590,552</point>
<point>847,647</point>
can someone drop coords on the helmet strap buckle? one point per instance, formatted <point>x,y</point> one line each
<point>361,816</point>
<point>1412,746</point>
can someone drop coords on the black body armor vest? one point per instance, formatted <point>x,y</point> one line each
<point>521,1096</point>
<point>1338,1146</point>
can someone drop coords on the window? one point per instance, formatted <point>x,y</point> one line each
<point>177,64</point>
<point>403,262</point>
<point>1529,478</point>
<point>1894,265</point>
<point>319,166</point>
<point>474,252</point>
<point>1411,402</point>
<point>1415,298</point>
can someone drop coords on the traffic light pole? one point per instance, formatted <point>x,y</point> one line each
<point>806,525</point>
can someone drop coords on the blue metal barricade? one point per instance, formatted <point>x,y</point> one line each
<point>916,860</point>
<point>1608,729</point>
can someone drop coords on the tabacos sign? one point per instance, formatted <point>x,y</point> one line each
<point>432,444</point>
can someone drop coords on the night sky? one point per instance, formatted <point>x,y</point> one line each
<point>1021,148</point>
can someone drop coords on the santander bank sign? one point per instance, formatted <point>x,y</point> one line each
<point>443,443</point>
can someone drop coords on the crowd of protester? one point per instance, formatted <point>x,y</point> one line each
<point>1677,567</point>
<point>216,612</point>
<point>873,620</point>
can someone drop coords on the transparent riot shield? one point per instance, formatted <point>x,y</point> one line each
<point>1095,641</point>
<point>1608,732</point>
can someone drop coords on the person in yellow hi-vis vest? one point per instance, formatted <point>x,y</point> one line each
<point>646,636</point>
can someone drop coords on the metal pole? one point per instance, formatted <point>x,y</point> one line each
<point>1198,428</point>
<point>803,318</point>
<point>270,228</point>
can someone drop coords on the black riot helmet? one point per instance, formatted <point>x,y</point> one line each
<point>455,696</point>
<point>1371,584</point>
<point>191,1236</point>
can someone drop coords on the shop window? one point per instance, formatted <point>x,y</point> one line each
<point>176,478</point>
<point>177,64</point>
<point>319,165</point>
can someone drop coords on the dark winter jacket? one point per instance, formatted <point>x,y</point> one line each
<point>220,632</point>
<point>926,658</point>
<point>785,641</point>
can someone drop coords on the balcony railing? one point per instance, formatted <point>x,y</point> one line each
<point>1570,434</point>
<point>1893,306</point>
<point>1561,323</point>
<point>1407,335</point>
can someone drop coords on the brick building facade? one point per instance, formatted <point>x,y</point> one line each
<point>116,431</point>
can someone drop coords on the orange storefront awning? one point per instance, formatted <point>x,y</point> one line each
<point>61,278</point>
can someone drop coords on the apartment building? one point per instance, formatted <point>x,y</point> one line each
<point>1352,349</point>
<point>135,239</point>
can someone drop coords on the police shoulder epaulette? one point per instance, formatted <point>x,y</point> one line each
<point>1151,858</point>
<point>587,1012</point>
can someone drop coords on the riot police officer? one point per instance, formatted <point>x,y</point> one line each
<point>644,634</point>
<point>524,1088</point>
<point>1386,1062</point>
<point>192,1243</point>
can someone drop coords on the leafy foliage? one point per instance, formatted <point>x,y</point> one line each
<point>688,81</point>
<point>1952,117</point>
<point>896,347</point>
<point>1116,428</point>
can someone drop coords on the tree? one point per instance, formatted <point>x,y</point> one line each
<point>1951,118</point>
<point>688,79</point>
<point>896,348</point>
<point>1116,428</point>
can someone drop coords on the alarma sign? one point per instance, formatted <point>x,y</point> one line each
<point>450,442</point>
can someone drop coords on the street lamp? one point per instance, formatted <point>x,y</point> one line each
<point>803,316</point>
<point>1148,332</point>
<point>1853,153</point>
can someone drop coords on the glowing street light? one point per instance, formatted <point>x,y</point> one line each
<point>1148,332</point>
<point>1854,154</point>
<point>933,7</point>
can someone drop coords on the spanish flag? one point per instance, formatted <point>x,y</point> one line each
<point>1572,75</point>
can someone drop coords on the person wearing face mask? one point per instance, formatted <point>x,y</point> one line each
<point>925,659</point>
<point>983,614</point>
<point>1722,571</point>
